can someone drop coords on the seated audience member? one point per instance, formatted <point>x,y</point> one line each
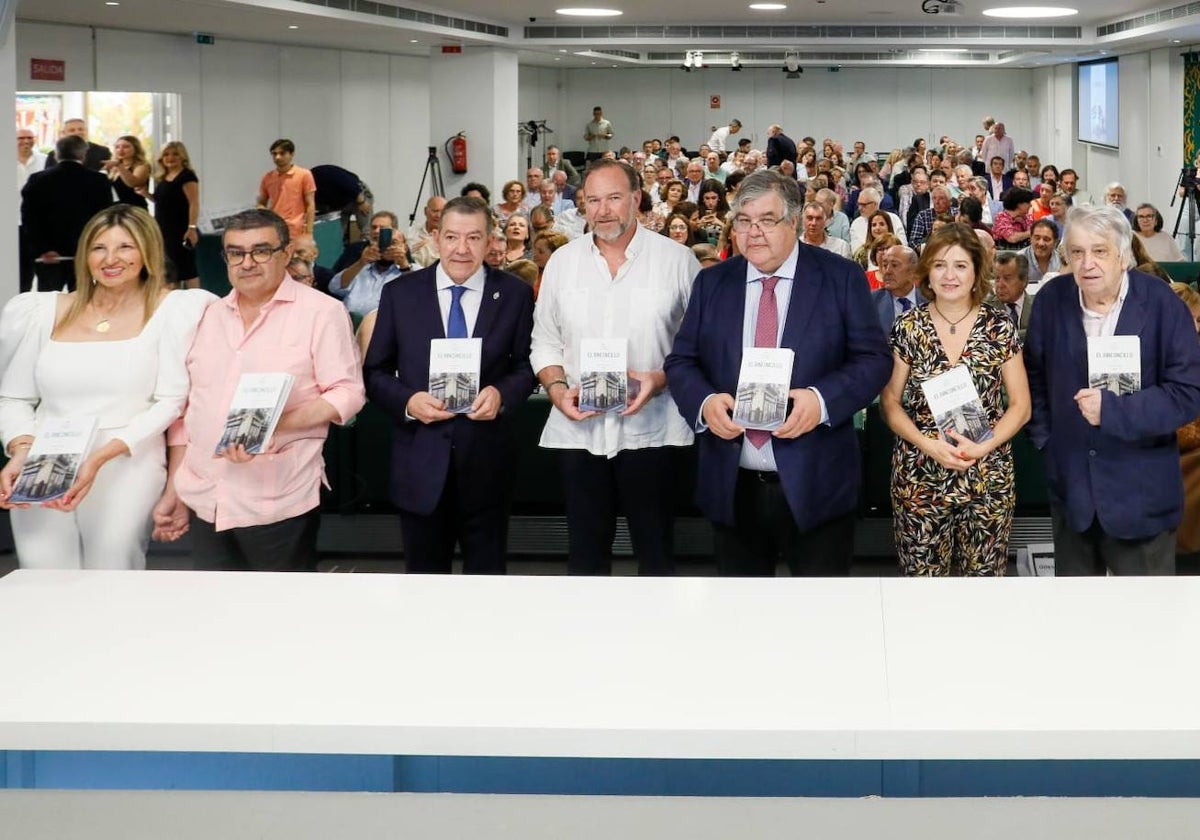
<point>813,233</point>
<point>514,201</point>
<point>496,247</point>
<point>421,237</point>
<point>1110,452</point>
<point>922,226</point>
<point>836,224</point>
<point>732,181</point>
<point>1149,229</point>
<point>301,270</point>
<point>1187,540</point>
<point>1114,194</point>
<point>673,193</point>
<point>1011,226</point>
<point>879,247</point>
<point>541,219</point>
<point>544,245</point>
<point>360,283</point>
<point>1060,205</point>
<point>1011,275</point>
<point>474,189</point>
<point>868,203</point>
<point>880,224</point>
<point>527,270</point>
<point>898,291</point>
<point>706,254</point>
<point>678,228</point>
<point>970,212</point>
<point>1042,251</point>
<point>305,247</point>
<point>1040,207</point>
<point>572,222</point>
<point>1145,264</point>
<point>713,209</point>
<point>952,497</point>
<point>261,512</point>
<point>549,198</point>
<point>517,239</point>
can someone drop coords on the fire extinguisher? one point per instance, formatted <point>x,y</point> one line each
<point>456,150</point>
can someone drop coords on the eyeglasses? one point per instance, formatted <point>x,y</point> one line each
<point>236,256</point>
<point>767,224</point>
<point>1142,217</point>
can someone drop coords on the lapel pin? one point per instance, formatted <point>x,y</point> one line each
<point>495,296</point>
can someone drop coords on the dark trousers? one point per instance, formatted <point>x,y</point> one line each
<point>25,262</point>
<point>52,277</point>
<point>1094,552</point>
<point>482,534</point>
<point>289,545</point>
<point>638,484</point>
<point>765,530</point>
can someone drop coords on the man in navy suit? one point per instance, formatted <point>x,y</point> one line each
<point>1111,459</point>
<point>898,271</point>
<point>780,147</point>
<point>792,492</point>
<point>451,473</point>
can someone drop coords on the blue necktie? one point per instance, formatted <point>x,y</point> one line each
<point>905,304</point>
<point>457,326</point>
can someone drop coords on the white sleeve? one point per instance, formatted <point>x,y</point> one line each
<point>186,307</point>
<point>25,326</point>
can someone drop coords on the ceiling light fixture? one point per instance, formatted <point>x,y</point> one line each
<point>768,7</point>
<point>293,26</point>
<point>112,3</point>
<point>791,64</point>
<point>1030,12</point>
<point>942,50</point>
<point>583,12</point>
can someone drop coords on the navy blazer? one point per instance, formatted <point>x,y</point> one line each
<point>397,366</point>
<point>840,350</point>
<point>885,307</point>
<point>1126,472</point>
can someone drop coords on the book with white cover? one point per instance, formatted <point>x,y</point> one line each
<point>454,372</point>
<point>254,411</point>
<point>1115,363</point>
<point>764,381</point>
<point>59,446</point>
<point>603,374</point>
<point>956,406</point>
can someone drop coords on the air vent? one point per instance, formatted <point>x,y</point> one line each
<point>386,10</point>
<point>797,33</point>
<point>1149,19</point>
<point>824,57</point>
<point>632,56</point>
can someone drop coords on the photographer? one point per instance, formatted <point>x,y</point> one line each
<point>384,257</point>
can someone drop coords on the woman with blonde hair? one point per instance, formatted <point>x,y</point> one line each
<point>176,200</point>
<point>115,351</point>
<point>129,170</point>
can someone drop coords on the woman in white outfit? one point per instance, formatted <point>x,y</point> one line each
<point>115,350</point>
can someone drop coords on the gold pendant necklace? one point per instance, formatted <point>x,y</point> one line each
<point>104,326</point>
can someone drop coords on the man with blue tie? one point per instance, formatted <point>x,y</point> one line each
<point>898,271</point>
<point>791,493</point>
<point>451,473</point>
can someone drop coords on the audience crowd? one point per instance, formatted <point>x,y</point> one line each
<point>884,275</point>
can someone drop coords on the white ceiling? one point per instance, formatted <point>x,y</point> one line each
<point>268,20</point>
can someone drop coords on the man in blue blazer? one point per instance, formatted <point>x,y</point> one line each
<point>451,473</point>
<point>898,271</point>
<point>1111,459</point>
<point>792,492</point>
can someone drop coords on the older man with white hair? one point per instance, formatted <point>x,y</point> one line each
<point>1109,447</point>
<point>868,203</point>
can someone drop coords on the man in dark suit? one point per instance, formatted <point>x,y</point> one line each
<point>55,205</point>
<point>898,271</point>
<point>96,154</point>
<point>1111,458</point>
<point>1011,277</point>
<point>792,492</point>
<point>452,473</point>
<point>780,147</point>
<point>998,181</point>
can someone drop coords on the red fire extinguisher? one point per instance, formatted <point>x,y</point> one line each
<point>456,150</point>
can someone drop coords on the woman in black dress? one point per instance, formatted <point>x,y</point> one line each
<point>129,171</point>
<point>176,208</point>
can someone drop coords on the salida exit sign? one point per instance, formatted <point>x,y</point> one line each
<point>47,70</point>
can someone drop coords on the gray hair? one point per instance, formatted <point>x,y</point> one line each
<point>1021,261</point>
<point>940,188</point>
<point>907,252</point>
<point>819,206</point>
<point>869,194</point>
<point>1105,221</point>
<point>961,167</point>
<point>981,182</point>
<point>766,182</point>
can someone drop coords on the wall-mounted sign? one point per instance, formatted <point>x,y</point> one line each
<point>47,70</point>
<point>714,101</point>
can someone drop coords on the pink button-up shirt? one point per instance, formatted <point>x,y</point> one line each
<point>299,331</point>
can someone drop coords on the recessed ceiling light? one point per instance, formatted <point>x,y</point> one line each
<point>941,50</point>
<point>293,26</point>
<point>582,12</point>
<point>414,41</point>
<point>556,58</point>
<point>768,7</point>
<point>1030,12</point>
<point>112,3</point>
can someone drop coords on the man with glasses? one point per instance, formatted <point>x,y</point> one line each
<point>868,204</point>
<point>793,492</point>
<point>260,512</point>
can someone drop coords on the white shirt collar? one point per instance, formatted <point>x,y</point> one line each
<point>474,282</point>
<point>787,271</point>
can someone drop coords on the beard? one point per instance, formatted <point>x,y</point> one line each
<point>609,234</point>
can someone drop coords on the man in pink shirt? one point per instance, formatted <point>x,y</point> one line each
<point>260,512</point>
<point>289,190</point>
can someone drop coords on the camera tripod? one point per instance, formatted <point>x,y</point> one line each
<point>433,172</point>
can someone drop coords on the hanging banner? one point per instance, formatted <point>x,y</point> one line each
<point>1191,106</point>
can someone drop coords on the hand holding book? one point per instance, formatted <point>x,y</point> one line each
<point>486,406</point>
<point>1089,401</point>
<point>643,385</point>
<point>804,416</point>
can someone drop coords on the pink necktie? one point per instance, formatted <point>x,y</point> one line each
<point>766,334</point>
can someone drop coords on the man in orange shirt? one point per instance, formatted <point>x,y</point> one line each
<point>289,190</point>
